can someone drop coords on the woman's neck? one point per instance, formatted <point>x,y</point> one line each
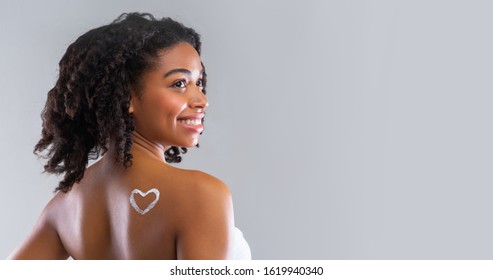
<point>145,147</point>
<point>141,147</point>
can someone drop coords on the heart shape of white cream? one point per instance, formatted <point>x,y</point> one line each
<point>151,205</point>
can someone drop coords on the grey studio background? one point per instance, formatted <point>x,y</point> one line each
<point>345,129</point>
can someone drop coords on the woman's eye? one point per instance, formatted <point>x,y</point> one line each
<point>200,83</point>
<point>179,84</point>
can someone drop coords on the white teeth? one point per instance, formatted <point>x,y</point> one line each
<point>191,121</point>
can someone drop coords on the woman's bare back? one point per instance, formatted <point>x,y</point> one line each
<point>95,219</point>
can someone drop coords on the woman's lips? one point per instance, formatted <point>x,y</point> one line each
<point>191,117</point>
<point>192,122</point>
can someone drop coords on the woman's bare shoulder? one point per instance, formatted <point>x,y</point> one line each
<point>43,242</point>
<point>198,185</point>
<point>55,205</point>
<point>204,217</point>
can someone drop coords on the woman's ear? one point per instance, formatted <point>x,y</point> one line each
<point>131,106</point>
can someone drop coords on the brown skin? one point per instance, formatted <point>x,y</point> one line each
<point>193,218</point>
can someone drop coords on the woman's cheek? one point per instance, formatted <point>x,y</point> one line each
<point>174,104</point>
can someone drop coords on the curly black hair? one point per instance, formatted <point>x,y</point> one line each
<point>90,102</point>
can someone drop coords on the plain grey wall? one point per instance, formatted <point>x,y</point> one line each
<point>345,129</point>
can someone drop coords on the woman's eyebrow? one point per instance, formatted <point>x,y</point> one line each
<point>181,70</point>
<point>178,70</point>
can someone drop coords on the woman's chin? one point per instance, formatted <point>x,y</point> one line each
<point>190,144</point>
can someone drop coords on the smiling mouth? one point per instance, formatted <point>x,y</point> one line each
<point>191,121</point>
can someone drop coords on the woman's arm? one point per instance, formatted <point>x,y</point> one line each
<point>208,223</point>
<point>43,243</point>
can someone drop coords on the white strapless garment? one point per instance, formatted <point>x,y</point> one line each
<point>240,249</point>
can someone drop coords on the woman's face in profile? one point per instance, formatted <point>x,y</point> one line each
<point>171,106</point>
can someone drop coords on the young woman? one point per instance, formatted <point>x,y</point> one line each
<point>132,92</point>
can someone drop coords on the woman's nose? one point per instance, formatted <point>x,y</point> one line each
<point>199,100</point>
